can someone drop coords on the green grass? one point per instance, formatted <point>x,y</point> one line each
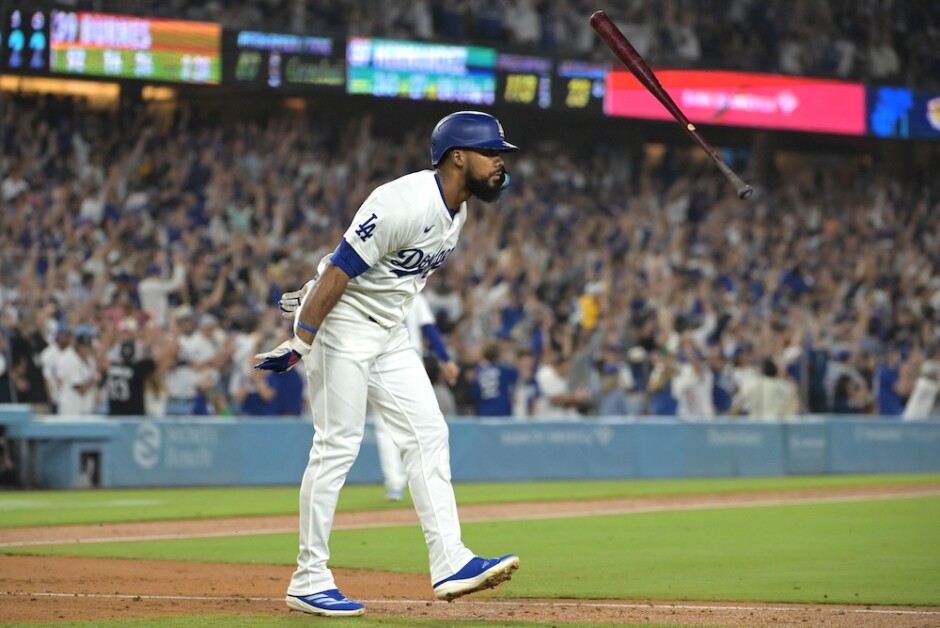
<point>37,508</point>
<point>872,552</point>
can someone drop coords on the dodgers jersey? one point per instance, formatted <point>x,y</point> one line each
<point>401,234</point>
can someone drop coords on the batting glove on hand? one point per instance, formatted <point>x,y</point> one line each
<point>290,301</point>
<point>284,357</point>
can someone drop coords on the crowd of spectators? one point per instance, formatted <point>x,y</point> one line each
<point>849,39</point>
<point>141,263</point>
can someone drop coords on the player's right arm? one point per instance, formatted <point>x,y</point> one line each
<point>373,232</point>
<point>318,301</point>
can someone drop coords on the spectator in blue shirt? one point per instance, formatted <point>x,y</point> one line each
<point>659,387</point>
<point>254,393</point>
<point>289,397</point>
<point>888,396</point>
<point>493,384</point>
<point>724,387</point>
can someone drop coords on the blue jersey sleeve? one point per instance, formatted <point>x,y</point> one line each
<point>348,260</point>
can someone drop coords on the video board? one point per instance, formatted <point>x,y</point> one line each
<point>580,85</point>
<point>766,101</point>
<point>123,46</point>
<point>421,71</point>
<point>26,45</point>
<point>282,61</point>
<point>899,112</point>
<point>525,80</point>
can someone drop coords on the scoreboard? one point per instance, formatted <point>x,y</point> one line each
<point>421,71</point>
<point>282,61</point>
<point>26,49</point>
<point>123,46</point>
<point>525,80</point>
<point>581,85</point>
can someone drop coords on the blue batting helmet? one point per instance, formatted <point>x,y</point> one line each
<point>467,129</point>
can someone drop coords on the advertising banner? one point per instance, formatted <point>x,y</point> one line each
<point>744,99</point>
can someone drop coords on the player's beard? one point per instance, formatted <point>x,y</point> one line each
<point>483,189</point>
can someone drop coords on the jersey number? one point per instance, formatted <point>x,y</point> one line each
<point>118,389</point>
<point>364,230</point>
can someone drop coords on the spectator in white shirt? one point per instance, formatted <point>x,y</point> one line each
<point>688,50</point>
<point>154,291</point>
<point>523,23</point>
<point>922,402</point>
<point>556,399</point>
<point>692,386</point>
<point>50,358</point>
<point>769,396</point>
<point>883,61</point>
<point>78,378</point>
<point>208,350</point>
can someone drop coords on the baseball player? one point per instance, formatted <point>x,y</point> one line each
<point>348,333</point>
<point>421,325</point>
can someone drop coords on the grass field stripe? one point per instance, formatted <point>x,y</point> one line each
<point>515,604</point>
<point>164,537</point>
<point>711,502</point>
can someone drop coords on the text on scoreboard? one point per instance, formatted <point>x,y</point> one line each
<point>580,85</point>
<point>419,71</point>
<point>282,60</point>
<point>27,42</point>
<point>525,80</point>
<point>123,46</point>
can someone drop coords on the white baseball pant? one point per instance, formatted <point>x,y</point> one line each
<point>354,360</point>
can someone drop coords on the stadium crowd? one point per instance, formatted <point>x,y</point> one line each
<point>141,265</point>
<point>849,39</point>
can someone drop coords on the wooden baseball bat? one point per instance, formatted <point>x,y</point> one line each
<point>625,51</point>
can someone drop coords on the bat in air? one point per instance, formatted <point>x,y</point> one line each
<point>624,50</point>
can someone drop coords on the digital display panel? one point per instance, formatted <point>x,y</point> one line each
<point>902,113</point>
<point>420,71</point>
<point>743,99</point>
<point>279,60</point>
<point>26,45</point>
<point>123,46</point>
<point>580,85</point>
<point>524,80</point>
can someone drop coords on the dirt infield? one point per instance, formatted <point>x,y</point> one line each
<point>58,589</point>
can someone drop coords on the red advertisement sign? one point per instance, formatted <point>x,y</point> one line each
<point>767,101</point>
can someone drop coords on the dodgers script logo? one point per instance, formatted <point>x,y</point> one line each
<point>417,262</point>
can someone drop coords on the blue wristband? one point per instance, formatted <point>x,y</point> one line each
<point>312,330</point>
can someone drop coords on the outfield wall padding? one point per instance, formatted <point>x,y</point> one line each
<point>191,451</point>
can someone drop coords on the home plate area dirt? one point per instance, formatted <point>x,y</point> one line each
<point>51,589</point>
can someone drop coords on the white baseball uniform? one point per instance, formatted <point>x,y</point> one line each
<point>400,235</point>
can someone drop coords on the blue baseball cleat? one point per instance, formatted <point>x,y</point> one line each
<point>330,603</point>
<point>478,574</point>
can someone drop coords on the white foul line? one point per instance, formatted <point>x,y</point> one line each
<point>495,604</point>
